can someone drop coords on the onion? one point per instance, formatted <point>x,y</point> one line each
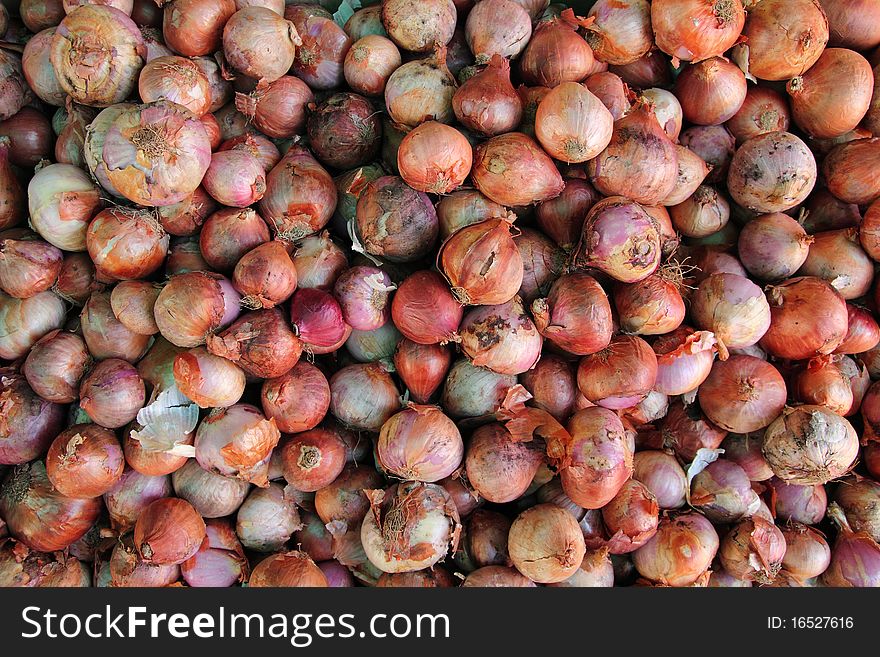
<point>40,516</point>
<point>422,368</point>
<point>686,431</point>
<point>863,333</point>
<point>871,454</point>
<point>208,380</point>
<point>497,27</point>
<point>502,338</point>
<point>785,38</point>
<point>512,170</point>
<point>471,391</point>
<point>846,170</point>
<point>815,308</point>
<point>825,212</point>
<point>229,234</point>
<point>497,577</point>
<point>265,275</point>
<point>733,308</point>
<point>235,178</point>
<point>41,14</point>
<point>431,521</point>
<point>562,218</point>
<point>482,263</point>
<point>21,567</point>
<point>424,310</point>
<point>184,257</point>
<point>297,400</point>
<point>260,342</point>
<point>429,578</point>
<point>237,442</point>
<point>30,135</point>
<point>745,451</point>
<point>369,64</point>
<point>722,492</point>
<point>421,90</point>
<point>711,91</point>
<point>344,498</point>
<point>126,569</point>
<point>364,22</point>
<point>300,196</point>
<point>318,321</point>
<point>773,246</point>
<point>576,315</point>
<point>363,396</point>
<point>854,557</point>
<point>546,544</point>
<point>132,304</point>
<point>112,393</point>
<point>277,108</point>
<point>691,30</point>
<point>680,552</point>
<point>55,365</point>
<point>649,70</point>
<point>556,53</point>
<point>530,97</point>
<point>220,560</point>
<point>810,445</point>
<point>662,476</point>
<point>620,239</point>
<point>267,519</point>
<point>823,382</point>
<point>177,79</point>
<point>195,27</point>
<point>25,321</point>
<point>807,554</point>
<point>162,132</point>
<point>97,53</point>
<point>743,394</point>
<point>38,71</point>
<point>637,139</point>
<point>290,569</point>
<point>318,262</point>
<point>572,124</point>
<point>796,503</point>
<point>859,501</point>
<point>753,550</point>
<point>146,13</point>
<point>154,45</point>
<point>858,31</point>
<point>126,244</point>
<point>259,43</point>
<point>417,26</point>
<point>28,267</point>
<point>420,443</point>
<point>542,260</point>
<point>621,32</point>
<point>12,198</point>
<point>194,305</point>
<point>684,360</point>
<point>613,92</point>
<point>714,144</point>
<point>313,459</point>
<point>434,158</point>
<point>28,423</point>
<point>84,461</point>
<point>620,375</point>
<point>597,460</point>
<point>61,201</point>
<point>131,494</point>
<point>463,208</point>
<point>763,110</point>
<point>212,495</point>
<point>837,257</point>
<point>363,293</point>
<point>498,468</point>
<point>630,518</point>
<point>168,531</point>
<point>344,131</point>
<point>692,171</point>
<point>652,306</point>
<point>319,59</point>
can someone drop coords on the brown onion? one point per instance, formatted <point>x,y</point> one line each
<point>312,459</point>
<point>785,37</point>
<point>40,14</point>
<point>229,234</point>
<point>753,550</point>
<point>815,308</point>
<point>714,144</point>
<point>680,552</point>
<point>126,244</point>
<point>653,306</point>
<point>420,443</point>
<point>195,27</point>
<point>84,461</point>
<point>260,43</point>
<point>290,569</point>
<point>847,170</point>
<point>686,430</point>
<point>344,499</point>
<point>369,64</point>
<point>763,110</point>
<point>497,576</point>
<point>421,90</point>
<point>131,494</point>
<point>692,30</point>
<point>637,139</point>
<point>807,554</point>
<point>194,305</point>
<point>502,338</point>
<point>424,310</point>
<point>837,257</point>
<point>743,394</point>
<point>556,53</point>
<point>265,275</point>
<point>546,544</point>
<point>132,304</point>
<point>434,158</point>
<point>513,170</point>
<point>711,91</point>
<point>620,375</point>
<point>497,27</point>
<point>572,124</point>
<point>621,32</point>
<point>576,315</point>
<point>12,198</point>
<point>630,518</point>
<point>773,246</point>
<point>810,445</point>
<point>261,342</point>
<point>692,171</point>
<point>297,400</point>
<point>168,531</point>
<point>733,308</point>
<point>40,516</point>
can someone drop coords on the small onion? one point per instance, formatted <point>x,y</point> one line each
<point>126,244</point>
<point>562,218</point>
<point>686,431</point>
<point>260,43</point>
<point>502,338</point>
<point>363,293</point>
<point>652,306</point>
<point>112,393</point>
<point>611,90</point>
<point>576,315</point>
<point>663,477</point>
<point>420,443</point>
<point>55,365</point>
<point>807,554</point>
<point>733,308</point>
<point>277,108</point>
<point>859,501</point>
<point>344,498</point>
<point>680,552</point>
<point>168,531</point>
<point>208,380</point>
<point>422,368</point>
<point>810,445</point>
<point>863,332</point>
<point>193,305</point>
<point>620,375</point>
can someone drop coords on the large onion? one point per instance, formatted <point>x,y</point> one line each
<point>195,27</point>
<point>420,444</point>
<point>576,315</point>
<point>27,320</point>
<point>556,53</point>
<point>260,43</point>
<point>733,308</point>
<point>572,124</point>
<point>421,90</point>
<point>743,394</point>
<point>61,202</point>
<point>193,305</point>
<point>680,552</point>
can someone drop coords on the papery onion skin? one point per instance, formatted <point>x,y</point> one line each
<point>85,461</point>
<point>38,69</point>
<point>28,267</point>
<point>229,234</point>
<point>420,443</point>
<point>837,257</point>
<point>498,468</point>
<point>745,451</point>
<point>265,275</point>
<point>810,445</point>
<point>434,158</point>
<point>772,172</point>
<point>21,567</point>
<point>722,492</point>
<point>363,396</point>
<point>859,500</point>
<point>743,394</point>
<point>785,37</point>
<point>61,202</point>
<point>428,578</point>
<point>212,303</point>
<point>599,458</point>
<point>497,577</point>
<point>773,246</point>
<point>576,315</point>
<point>630,518</point>
<point>572,124</point>
<point>692,171</point>
<point>28,423</point>
<point>695,31</point>
<point>513,170</point>
<point>799,503</point>
<point>150,463</point>
<point>89,78</point>
<point>497,27</point>
<point>369,63</point>
<point>260,43</point>
<point>126,244</point>
<point>653,306</point>
<point>363,293</point>
<point>318,262</point>
<point>177,79</point>
<point>220,560</point>
<point>680,552</point>
<point>421,90</point>
<point>156,154</point>
<point>502,338</point>
<point>753,550</point>
<point>208,380</point>
<point>261,342</point>
<point>818,311</point>
<point>195,27</point>
<point>546,544</point>
<point>556,53</point>
<point>38,515</point>
<point>663,476</point>
<point>168,531</point>
<point>297,400</point>
<point>424,310</point>
<point>291,569</point>
<point>431,520</point>
<point>126,569</point>
<point>684,360</point>
<point>620,375</point>
<point>733,308</point>
<point>267,519</point>
<point>863,332</point>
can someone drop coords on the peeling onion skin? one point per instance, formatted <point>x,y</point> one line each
<point>28,423</point>
<point>753,550</point>
<point>84,461</point>
<point>267,519</point>
<point>501,338</point>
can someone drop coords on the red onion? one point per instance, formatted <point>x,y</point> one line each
<point>772,172</point>
<point>229,234</point>
<point>620,239</point>
<point>421,90</point>
<point>420,443</point>
<point>743,394</point>
<point>502,338</point>
<point>344,131</point>
<point>194,305</point>
<point>363,294</point>
<point>291,569</point>
<point>613,93</point>
<point>28,423</point>
<point>837,257</point>
<point>319,59</point>
<point>259,43</point>
<point>815,308</point>
<point>854,557</point>
<point>112,393</point>
<point>220,560</point>
<point>40,516</point>
<point>562,218</point>
<point>212,495</point>
<point>652,306</point>
<point>733,308</point>
<point>173,143</point>
<point>680,552</point>
<point>424,310</point>
<point>344,499</point>
<point>96,79</point>
<point>318,321</point>
<point>434,158</point>
<point>27,320</point>
<point>810,445</point>
<point>61,201</point>
<point>620,375</point>
<point>422,368</point>
<point>542,260</point>
<point>863,333</point>
<point>546,544</point>
<point>363,396</point>
<point>12,198</point>
<point>711,91</point>
<point>84,461</point>
<point>576,315</point>
<point>264,105</point>
<point>177,79</point>
<point>267,519</point>
<point>663,477</point>
<point>131,494</point>
<point>722,492</point>
<point>694,31</point>
<point>260,342</point>
<point>498,468</point>
<point>796,503</point>
<point>55,365</point>
<point>513,170</point>
<point>297,400</point>
<point>556,53</point>
<point>686,431</point>
<point>753,550</point>
<point>313,459</point>
<point>825,382</point>
<point>235,178</point>
<point>773,246</point>
<point>431,521</point>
